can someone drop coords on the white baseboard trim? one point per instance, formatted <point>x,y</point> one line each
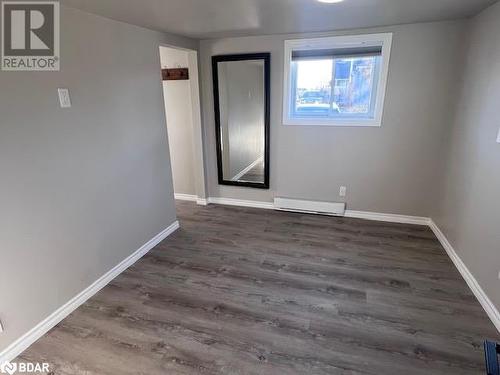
<point>191,198</point>
<point>25,341</point>
<point>469,278</point>
<point>241,203</point>
<point>248,169</point>
<point>390,218</point>
<point>186,197</point>
<point>202,202</point>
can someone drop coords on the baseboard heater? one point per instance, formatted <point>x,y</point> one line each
<point>311,207</point>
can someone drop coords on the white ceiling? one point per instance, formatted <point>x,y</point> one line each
<point>217,18</point>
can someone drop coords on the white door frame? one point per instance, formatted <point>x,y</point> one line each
<point>198,154</point>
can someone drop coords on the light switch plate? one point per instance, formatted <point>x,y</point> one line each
<point>64,98</point>
<point>498,136</point>
<point>1,327</point>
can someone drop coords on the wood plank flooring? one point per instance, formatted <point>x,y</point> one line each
<point>248,291</point>
<point>256,174</point>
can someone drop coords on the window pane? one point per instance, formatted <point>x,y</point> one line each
<point>313,91</point>
<point>354,84</point>
<point>334,87</point>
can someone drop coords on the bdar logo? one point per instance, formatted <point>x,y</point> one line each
<point>8,368</point>
<point>30,35</point>
<point>24,368</point>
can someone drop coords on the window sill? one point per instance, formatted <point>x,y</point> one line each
<point>355,123</point>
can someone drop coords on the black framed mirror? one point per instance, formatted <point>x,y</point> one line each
<point>242,118</point>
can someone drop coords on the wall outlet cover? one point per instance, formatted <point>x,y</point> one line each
<point>498,136</point>
<point>343,191</point>
<point>64,98</point>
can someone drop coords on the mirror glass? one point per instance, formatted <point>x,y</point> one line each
<point>242,120</point>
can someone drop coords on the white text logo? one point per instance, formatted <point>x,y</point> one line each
<point>24,368</point>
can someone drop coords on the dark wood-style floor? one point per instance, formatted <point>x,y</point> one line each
<point>256,174</point>
<point>248,291</point>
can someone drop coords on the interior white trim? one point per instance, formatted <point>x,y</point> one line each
<point>469,278</point>
<point>57,316</point>
<point>191,198</point>
<point>390,218</point>
<point>248,169</point>
<point>197,140</point>
<point>382,39</point>
<point>186,197</point>
<point>194,80</point>
<point>241,203</point>
<point>376,216</point>
<point>202,201</point>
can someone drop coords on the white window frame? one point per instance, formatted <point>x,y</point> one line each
<point>351,41</point>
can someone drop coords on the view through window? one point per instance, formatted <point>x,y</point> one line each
<point>336,80</point>
<point>335,87</point>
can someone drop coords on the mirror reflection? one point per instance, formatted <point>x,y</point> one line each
<point>242,123</point>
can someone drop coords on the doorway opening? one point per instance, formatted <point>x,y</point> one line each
<point>183,111</point>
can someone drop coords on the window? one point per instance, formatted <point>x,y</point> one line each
<point>338,81</point>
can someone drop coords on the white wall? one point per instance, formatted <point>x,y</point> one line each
<point>179,109</point>
<point>82,188</point>
<point>392,169</point>
<point>468,208</point>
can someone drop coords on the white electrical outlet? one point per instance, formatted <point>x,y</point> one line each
<point>343,191</point>
<point>498,136</point>
<point>64,98</point>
